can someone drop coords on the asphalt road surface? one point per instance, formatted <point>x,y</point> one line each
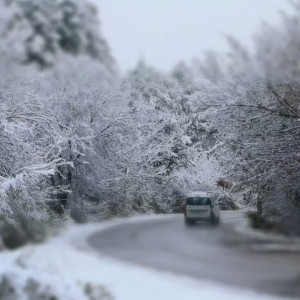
<point>202,251</point>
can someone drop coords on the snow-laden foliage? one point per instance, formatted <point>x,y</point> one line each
<point>140,153</point>
<point>77,138</point>
<point>257,122</point>
<point>131,142</point>
<point>39,32</point>
<point>31,147</point>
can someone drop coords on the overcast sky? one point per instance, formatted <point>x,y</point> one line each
<point>164,32</point>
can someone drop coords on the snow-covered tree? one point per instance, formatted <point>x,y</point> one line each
<point>31,147</point>
<point>34,31</point>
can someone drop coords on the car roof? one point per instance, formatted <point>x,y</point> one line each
<point>197,194</point>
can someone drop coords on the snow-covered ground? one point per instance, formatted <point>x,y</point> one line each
<point>69,269</point>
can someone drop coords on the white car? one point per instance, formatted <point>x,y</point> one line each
<point>200,206</point>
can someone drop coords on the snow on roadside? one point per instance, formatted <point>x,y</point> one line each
<point>261,240</point>
<point>68,266</point>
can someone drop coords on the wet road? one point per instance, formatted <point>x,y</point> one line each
<point>203,251</point>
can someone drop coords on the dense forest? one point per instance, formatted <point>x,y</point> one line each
<point>79,139</point>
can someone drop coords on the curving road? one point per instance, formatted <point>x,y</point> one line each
<point>202,251</point>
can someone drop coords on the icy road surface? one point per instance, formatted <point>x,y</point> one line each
<point>201,251</point>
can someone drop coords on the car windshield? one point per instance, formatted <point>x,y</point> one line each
<point>198,201</point>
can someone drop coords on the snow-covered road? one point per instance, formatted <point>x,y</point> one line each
<point>70,269</point>
<point>204,252</point>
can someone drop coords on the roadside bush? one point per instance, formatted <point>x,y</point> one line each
<point>26,217</point>
<point>31,289</point>
<point>7,288</point>
<point>281,205</point>
<point>12,235</point>
<point>97,292</point>
<point>14,287</point>
<point>225,202</point>
<point>259,222</point>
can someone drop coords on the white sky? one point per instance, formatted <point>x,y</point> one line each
<point>164,32</point>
